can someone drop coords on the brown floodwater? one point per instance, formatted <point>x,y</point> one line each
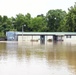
<point>18,58</point>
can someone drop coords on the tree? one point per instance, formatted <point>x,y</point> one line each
<point>54,18</point>
<point>38,24</point>
<point>19,21</point>
<point>70,23</point>
<point>27,22</point>
<point>4,26</point>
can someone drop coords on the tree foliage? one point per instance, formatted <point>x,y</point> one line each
<point>70,23</point>
<point>54,18</point>
<point>54,21</point>
<point>38,24</point>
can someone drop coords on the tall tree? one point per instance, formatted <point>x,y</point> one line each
<point>70,23</point>
<point>38,24</point>
<point>20,19</point>
<point>5,25</point>
<point>27,22</point>
<point>54,18</point>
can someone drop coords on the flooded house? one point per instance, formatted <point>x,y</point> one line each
<point>41,37</point>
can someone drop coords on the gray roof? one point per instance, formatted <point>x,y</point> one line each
<point>46,33</point>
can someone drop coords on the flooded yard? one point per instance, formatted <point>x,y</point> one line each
<point>37,59</point>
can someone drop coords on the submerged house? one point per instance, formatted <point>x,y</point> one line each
<point>41,37</point>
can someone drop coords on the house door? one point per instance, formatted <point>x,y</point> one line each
<point>42,39</point>
<point>55,38</point>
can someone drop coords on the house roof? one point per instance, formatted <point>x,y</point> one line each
<point>46,33</point>
<point>42,33</point>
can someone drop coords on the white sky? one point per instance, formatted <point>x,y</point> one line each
<point>34,7</point>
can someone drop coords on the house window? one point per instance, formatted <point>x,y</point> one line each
<point>68,36</point>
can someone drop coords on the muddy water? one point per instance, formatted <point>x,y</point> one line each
<point>37,59</point>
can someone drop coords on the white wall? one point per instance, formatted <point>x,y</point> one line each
<point>35,38</point>
<point>72,39</point>
<point>24,38</point>
<point>29,39</point>
<point>49,37</point>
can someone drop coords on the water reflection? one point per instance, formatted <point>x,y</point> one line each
<point>36,59</point>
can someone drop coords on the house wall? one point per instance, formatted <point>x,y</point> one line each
<point>24,38</point>
<point>29,38</point>
<point>49,37</point>
<point>36,39</point>
<point>60,38</point>
<point>69,39</point>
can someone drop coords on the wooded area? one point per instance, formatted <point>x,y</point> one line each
<point>54,21</point>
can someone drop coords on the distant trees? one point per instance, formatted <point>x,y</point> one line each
<point>54,21</point>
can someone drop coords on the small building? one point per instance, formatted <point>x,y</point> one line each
<point>41,37</point>
<point>11,36</point>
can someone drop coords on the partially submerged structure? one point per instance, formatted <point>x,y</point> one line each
<point>41,37</point>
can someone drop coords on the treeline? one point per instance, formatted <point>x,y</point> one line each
<point>54,21</point>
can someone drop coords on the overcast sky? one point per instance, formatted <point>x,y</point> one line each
<point>34,7</point>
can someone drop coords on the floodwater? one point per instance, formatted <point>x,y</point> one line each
<point>37,59</point>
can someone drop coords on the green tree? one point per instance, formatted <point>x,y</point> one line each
<point>22,20</point>
<point>4,25</point>
<point>70,23</point>
<point>38,24</point>
<point>54,18</point>
<point>19,21</point>
<point>27,22</point>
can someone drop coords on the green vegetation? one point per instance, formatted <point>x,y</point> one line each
<point>54,21</point>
